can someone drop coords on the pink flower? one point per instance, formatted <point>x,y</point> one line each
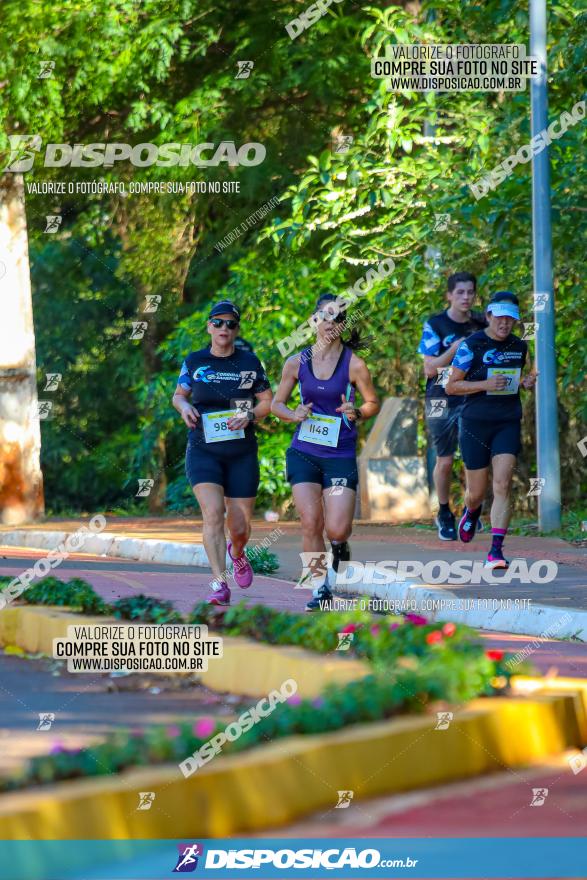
<point>294,700</point>
<point>57,747</point>
<point>318,702</point>
<point>416,619</point>
<point>204,727</point>
<point>350,628</point>
<point>393,626</point>
<point>375,630</point>
<point>449,629</point>
<point>173,730</point>
<point>434,637</point>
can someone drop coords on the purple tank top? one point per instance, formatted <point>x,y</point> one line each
<point>325,394</point>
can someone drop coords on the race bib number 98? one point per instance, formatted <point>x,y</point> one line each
<point>216,428</point>
<point>512,375</point>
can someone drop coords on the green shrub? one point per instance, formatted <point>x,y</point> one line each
<point>146,609</point>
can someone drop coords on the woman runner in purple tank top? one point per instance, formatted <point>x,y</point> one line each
<point>321,461</point>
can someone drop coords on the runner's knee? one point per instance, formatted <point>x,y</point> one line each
<point>312,521</point>
<point>338,532</point>
<point>213,519</point>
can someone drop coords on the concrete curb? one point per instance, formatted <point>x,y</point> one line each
<point>247,667</point>
<point>544,621</point>
<point>277,783</point>
<point>110,544</point>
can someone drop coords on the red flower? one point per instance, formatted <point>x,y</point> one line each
<point>433,637</point>
<point>350,628</point>
<point>494,655</point>
<point>449,629</point>
<point>416,619</point>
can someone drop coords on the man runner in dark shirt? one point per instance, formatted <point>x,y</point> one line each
<point>441,336</point>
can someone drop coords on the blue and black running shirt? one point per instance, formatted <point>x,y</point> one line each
<point>223,383</point>
<point>438,334</point>
<point>481,357</point>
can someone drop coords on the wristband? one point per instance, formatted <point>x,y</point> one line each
<point>251,415</point>
<point>358,414</point>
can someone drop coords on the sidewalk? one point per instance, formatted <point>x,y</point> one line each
<point>370,543</point>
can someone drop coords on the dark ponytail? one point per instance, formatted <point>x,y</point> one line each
<point>356,342</point>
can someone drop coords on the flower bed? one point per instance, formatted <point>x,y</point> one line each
<point>415,664</point>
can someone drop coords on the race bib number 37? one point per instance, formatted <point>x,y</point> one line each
<point>512,375</point>
<point>216,428</point>
<point>322,430</point>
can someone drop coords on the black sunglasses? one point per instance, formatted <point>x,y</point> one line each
<point>220,322</point>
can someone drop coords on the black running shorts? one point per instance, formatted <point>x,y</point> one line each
<point>327,472</point>
<point>237,474</point>
<point>481,440</point>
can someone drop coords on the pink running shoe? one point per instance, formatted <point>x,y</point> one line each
<point>241,569</point>
<point>496,560</point>
<point>220,596</point>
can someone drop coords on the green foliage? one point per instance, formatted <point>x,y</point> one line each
<point>374,698</point>
<point>75,593</point>
<point>262,560</point>
<point>146,609</point>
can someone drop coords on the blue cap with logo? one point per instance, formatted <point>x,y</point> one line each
<point>504,304</point>
<point>225,307</point>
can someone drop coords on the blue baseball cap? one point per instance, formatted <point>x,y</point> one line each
<point>504,304</point>
<point>225,307</point>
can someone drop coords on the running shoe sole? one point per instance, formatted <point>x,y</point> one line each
<point>496,563</point>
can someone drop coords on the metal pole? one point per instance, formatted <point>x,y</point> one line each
<point>547,452</point>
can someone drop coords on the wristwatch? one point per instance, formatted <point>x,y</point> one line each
<point>251,415</point>
<point>358,414</point>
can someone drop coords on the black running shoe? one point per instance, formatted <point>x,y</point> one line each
<point>321,602</point>
<point>447,526</point>
<point>340,553</point>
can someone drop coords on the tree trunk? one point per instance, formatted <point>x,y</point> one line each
<point>21,481</point>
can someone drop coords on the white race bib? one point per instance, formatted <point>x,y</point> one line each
<point>216,428</point>
<point>512,375</point>
<point>322,430</point>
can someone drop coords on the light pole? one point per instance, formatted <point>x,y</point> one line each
<point>547,451</point>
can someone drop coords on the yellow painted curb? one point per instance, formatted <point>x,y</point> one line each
<point>527,686</point>
<point>274,785</point>
<point>247,667</point>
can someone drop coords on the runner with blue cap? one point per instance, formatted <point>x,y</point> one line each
<point>487,368</point>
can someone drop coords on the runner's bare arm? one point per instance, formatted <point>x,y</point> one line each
<point>181,403</point>
<point>529,380</point>
<point>433,362</point>
<point>361,377</point>
<point>279,406</point>
<point>457,385</point>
